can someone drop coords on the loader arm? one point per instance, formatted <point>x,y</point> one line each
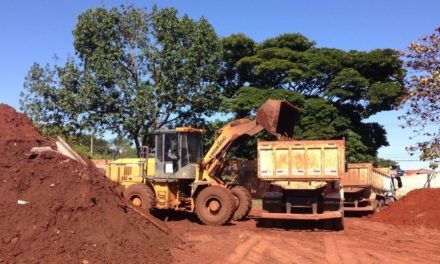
<point>213,162</point>
<point>275,116</point>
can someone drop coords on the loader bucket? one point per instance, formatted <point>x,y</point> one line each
<point>278,117</point>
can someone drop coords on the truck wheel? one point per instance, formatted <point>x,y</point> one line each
<point>140,195</point>
<point>215,205</point>
<point>335,224</point>
<point>338,224</point>
<point>377,206</point>
<point>381,204</point>
<point>243,202</point>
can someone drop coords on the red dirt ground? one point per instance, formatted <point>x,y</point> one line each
<point>362,241</point>
<point>419,207</point>
<point>74,214</point>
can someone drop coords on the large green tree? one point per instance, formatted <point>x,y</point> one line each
<point>91,146</point>
<point>134,71</point>
<point>336,90</point>
<point>234,48</point>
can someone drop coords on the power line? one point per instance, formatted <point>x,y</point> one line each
<point>409,160</point>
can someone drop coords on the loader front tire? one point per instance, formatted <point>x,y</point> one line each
<point>243,200</point>
<point>140,195</point>
<point>215,205</point>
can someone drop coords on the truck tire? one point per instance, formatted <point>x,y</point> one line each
<point>338,224</point>
<point>376,206</point>
<point>335,224</point>
<point>243,202</point>
<point>379,206</point>
<point>140,195</point>
<point>215,205</point>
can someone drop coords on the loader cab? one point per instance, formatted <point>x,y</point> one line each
<point>177,152</point>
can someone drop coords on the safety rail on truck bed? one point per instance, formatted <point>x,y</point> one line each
<point>363,175</point>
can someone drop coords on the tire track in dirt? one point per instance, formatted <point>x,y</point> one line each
<point>305,251</point>
<point>331,254</point>
<point>264,249</point>
<point>280,256</point>
<point>376,256</point>
<point>336,251</point>
<point>399,246</point>
<point>256,249</point>
<point>361,242</point>
<point>243,249</point>
<point>255,254</point>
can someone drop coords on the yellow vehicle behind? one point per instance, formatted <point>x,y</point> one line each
<point>129,171</point>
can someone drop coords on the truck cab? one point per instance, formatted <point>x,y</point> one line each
<point>178,151</point>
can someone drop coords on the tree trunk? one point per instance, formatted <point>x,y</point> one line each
<point>147,139</point>
<point>138,146</point>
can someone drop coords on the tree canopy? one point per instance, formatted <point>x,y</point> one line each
<point>82,145</point>
<point>135,71</point>
<point>422,102</point>
<point>387,163</point>
<point>335,90</point>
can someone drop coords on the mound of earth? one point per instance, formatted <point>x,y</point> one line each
<point>54,209</point>
<point>419,207</point>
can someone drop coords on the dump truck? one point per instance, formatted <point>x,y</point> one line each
<point>177,176</point>
<point>368,189</point>
<point>304,177</point>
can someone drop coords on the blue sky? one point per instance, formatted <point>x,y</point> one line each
<point>33,31</point>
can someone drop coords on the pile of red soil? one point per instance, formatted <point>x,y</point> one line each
<point>419,207</point>
<point>73,214</point>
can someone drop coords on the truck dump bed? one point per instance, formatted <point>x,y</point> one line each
<point>303,160</point>
<point>358,174</point>
<point>364,175</point>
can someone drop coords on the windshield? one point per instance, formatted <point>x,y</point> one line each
<point>195,150</point>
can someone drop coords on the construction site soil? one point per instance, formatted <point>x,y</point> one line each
<point>301,242</point>
<point>420,207</point>
<point>74,215</point>
<point>56,210</point>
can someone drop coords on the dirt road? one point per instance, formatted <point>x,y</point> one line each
<point>362,241</point>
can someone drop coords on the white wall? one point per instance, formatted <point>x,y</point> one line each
<point>417,181</point>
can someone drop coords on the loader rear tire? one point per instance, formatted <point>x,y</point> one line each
<point>215,205</point>
<point>243,202</point>
<point>140,195</point>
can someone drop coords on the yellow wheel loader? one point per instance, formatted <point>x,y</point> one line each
<point>178,176</point>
